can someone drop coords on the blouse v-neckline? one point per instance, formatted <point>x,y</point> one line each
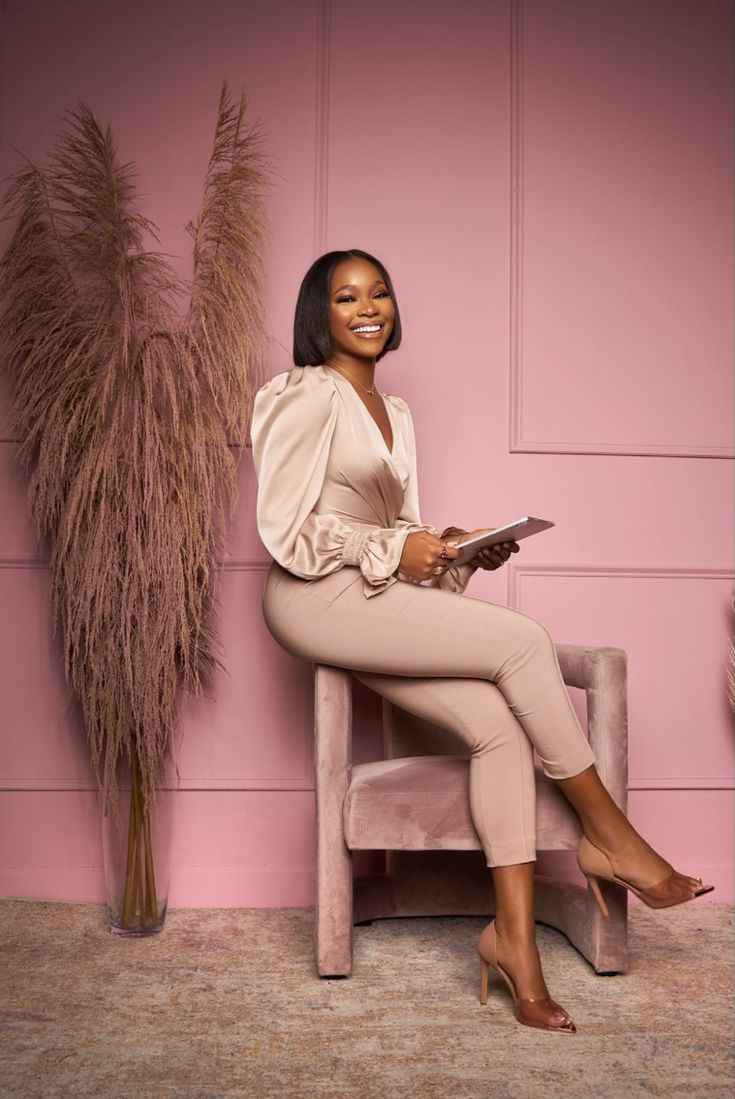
<point>391,451</point>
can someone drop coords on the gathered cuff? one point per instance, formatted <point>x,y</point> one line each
<point>353,546</point>
<point>377,553</point>
<point>380,559</point>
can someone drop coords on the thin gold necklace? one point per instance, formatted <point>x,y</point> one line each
<point>370,391</point>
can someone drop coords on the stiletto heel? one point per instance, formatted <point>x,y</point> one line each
<point>597,893</point>
<point>484,974</point>
<point>595,864</point>
<point>535,1011</point>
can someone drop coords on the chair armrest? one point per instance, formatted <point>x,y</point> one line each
<point>602,673</point>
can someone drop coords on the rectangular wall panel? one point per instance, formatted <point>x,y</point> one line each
<point>43,742</point>
<point>622,276</point>
<point>232,849</point>
<point>255,727</point>
<point>246,732</point>
<point>17,538</point>
<point>418,176</point>
<point>674,629</point>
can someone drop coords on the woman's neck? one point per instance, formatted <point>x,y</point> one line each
<point>359,370</point>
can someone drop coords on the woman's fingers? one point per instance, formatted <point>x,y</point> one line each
<point>442,554</point>
<point>494,559</point>
<point>495,556</point>
<point>444,549</point>
<point>453,532</point>
<point>505,549</point>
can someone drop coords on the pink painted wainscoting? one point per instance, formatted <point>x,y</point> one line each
<point>549,183</point>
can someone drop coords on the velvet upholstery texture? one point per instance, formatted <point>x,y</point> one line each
<point>414,804</point>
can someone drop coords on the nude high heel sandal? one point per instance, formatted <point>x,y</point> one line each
<point>595,864</point>
<point>536,1011</point>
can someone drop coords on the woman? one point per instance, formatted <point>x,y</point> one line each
<point>360,582</point>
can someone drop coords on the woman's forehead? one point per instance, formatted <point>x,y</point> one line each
<point>353,271</point>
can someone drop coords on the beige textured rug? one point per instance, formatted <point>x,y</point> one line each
<point>228,1003</point>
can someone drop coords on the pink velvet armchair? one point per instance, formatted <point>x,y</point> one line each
<point>414,805</point>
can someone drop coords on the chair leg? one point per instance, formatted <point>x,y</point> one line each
<point>332,749</point>
<point>572,909</point>
<point>333,938</point>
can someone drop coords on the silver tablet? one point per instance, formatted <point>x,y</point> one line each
<point>511,532</point>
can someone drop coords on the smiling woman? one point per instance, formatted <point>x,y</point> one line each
<point>317,311</point>
<point>358,581</point>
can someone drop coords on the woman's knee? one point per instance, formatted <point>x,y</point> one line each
<point>527,640</point>
<point>533,631</point>
<point>495,727</point>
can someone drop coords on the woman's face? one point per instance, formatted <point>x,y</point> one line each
<point>361,310</point>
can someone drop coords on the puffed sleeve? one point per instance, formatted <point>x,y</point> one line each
<point>456,578</point>
<point>292,424</point>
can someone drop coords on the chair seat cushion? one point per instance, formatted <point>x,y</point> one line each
<point>416,803</point>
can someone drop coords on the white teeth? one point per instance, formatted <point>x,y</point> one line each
<point>368,328</point>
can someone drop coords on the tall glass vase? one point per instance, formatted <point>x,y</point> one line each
<point>137,851</point>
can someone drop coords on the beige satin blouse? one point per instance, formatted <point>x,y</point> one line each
<point>330,493</point>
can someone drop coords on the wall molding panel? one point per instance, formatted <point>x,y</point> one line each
<point>321,131</point>
<point>215,785</point>
<point>42,786</point>
<point>233,564</point>
<point>515,343</point>
<point>519,440</point>
<point>517,573</point>
<point>652,715</point>
<point>681,784</point>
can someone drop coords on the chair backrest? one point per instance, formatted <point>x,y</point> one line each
<point>406,734</point>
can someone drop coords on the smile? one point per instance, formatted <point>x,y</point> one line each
<point>369,330</point>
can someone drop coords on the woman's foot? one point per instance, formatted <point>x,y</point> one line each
<point>519,956</point>
<point>633,860</point>
<point>514,955</point>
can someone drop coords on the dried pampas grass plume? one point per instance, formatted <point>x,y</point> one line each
<point>125,411</point>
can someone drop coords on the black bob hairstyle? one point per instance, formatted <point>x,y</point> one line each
<point>312,345</point>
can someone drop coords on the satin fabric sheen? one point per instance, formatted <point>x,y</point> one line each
<point>330,493</point>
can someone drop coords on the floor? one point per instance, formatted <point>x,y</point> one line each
<point>228,1003</point>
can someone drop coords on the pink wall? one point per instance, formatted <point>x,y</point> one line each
<point>550,185</point>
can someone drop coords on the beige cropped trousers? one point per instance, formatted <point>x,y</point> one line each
<point>485,672</point>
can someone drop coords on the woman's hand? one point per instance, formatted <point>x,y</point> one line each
<point>491,557</point>
<point>424,555</point>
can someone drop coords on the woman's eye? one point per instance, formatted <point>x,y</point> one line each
<point>349,297</point>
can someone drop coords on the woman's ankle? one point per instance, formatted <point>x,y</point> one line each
<point>519,956</point>
<point>613,836</point>
<point>519,929</point>
<point>631,856</point>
